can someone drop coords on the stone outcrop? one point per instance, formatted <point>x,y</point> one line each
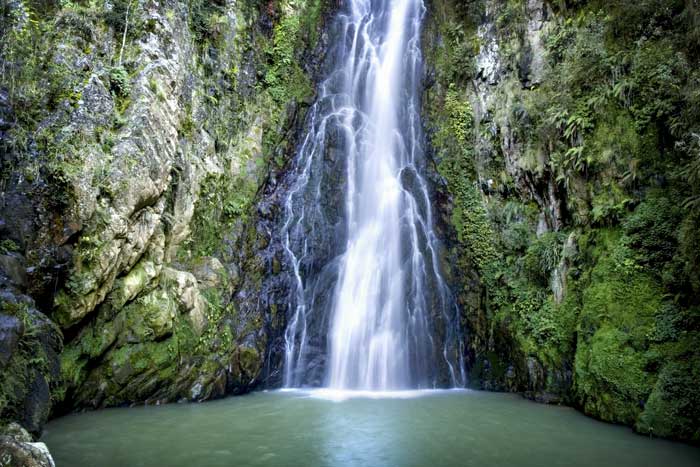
<point>123,248</point>
<point>18,450</point>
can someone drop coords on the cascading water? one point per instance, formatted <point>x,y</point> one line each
<point>373,283</point>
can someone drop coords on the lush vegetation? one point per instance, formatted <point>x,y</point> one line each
<point>574,194</point>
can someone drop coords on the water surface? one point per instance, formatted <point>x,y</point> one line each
<point>293,428</point>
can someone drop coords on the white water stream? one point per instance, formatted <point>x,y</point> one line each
<point>389,292</point>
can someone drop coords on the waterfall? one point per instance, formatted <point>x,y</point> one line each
<point>372,282</point>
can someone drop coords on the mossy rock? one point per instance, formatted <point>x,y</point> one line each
<point>673,408</point>
<point>613,366</point>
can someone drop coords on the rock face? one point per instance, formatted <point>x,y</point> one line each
<point>569,226</point>
<point>18,450</point>
<point>24,454</point>
<point>135,138</point>
<point>29,348</point>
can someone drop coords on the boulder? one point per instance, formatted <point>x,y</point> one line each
<point>17,453</point>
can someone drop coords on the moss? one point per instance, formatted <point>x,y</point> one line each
<point>241,94</point>
<point>614,365</point>
<point>8,246</point>
<point>150,317</point>
<point>592,144</point>
<point>127,287</point>
<point>673,407</point>
<point>72,366</point>
<point>30,361</point>
<point>473,229</point>
<point>223,201</point>
<point>215,332</point>
<point>610,376</point>
<point>454,143</point>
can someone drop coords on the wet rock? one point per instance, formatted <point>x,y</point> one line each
<point>23,454</point>
<point>547,385</point>
<point>209,272</point>
<point>17,432</point>
<point>11,329</point>
<point>196,391</point>
<point>488,60</point>
<point>532,65</point>
<point>186,291</point>
<point>5,112</point>
<point>29,348</point>
<point>37,403</point>
<point>95,108</point>
<point>558,279</point>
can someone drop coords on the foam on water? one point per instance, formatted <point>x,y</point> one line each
<point>340,395</point>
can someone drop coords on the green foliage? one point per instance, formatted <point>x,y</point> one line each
<point>28,361</point>
<point>691,172</point>
<point>26,74</point>
<point>454,141</point>
<point>223,202</point>
<point>651,230</point>
<point>285,80</point>
<point>536,312</point>
<point>459,117</point>
<point>605,103</point>
<point>609,205</point>
<point>688,251</point>
<point>119,82</point>
<point>187,125</point>
<point>8,246</point>
<point>217,333</point>
<point>628,20</point>
<point>471,223</point>
<point>632,340</point>
<point>673,408</point>
<point>205,18</point>
<point>457,62</point>
<point>610,377</point>
<point>128,351</point>
<point>543,256</point>
<point>41,80</point>
<point>509,21</point>
<point>454,51</point>
<point>610,131</point>
<point>614,358</point>
<point>116,18</point>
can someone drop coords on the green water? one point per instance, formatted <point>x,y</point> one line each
<point>438,429</point>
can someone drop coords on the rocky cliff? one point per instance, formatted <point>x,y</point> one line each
<point>565,135</point>
<point>135,137</point>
